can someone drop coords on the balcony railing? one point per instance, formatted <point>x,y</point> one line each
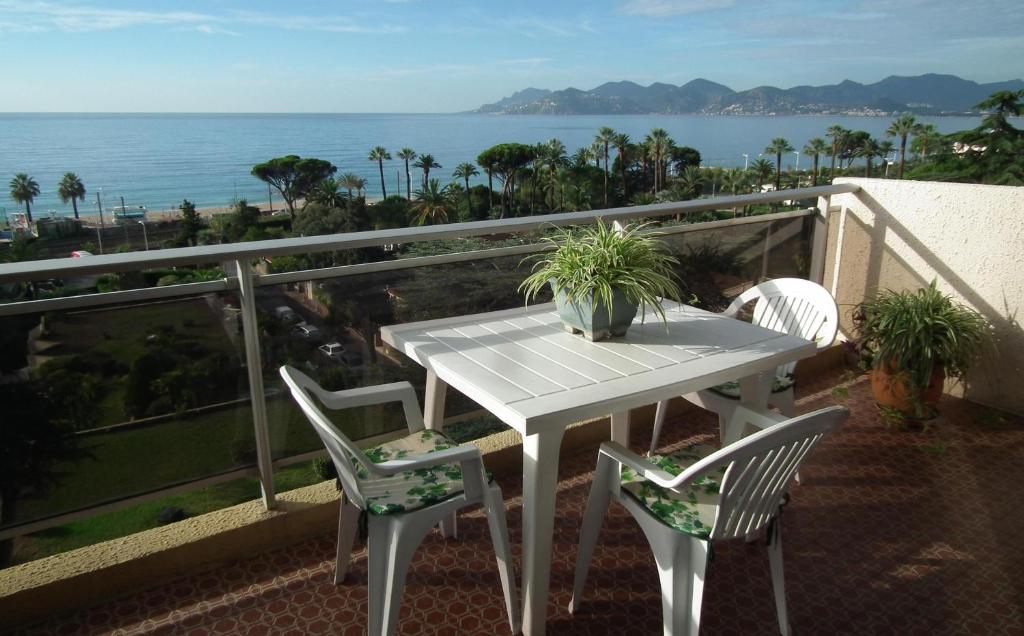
<point>221,416</point>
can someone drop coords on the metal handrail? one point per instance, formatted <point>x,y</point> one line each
<point>133,261</point>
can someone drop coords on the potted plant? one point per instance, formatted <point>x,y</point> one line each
<point>912,341</point>
<point>601,275</point>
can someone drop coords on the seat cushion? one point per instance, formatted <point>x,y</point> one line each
<point>732,389</point>
<point>413,489</point>
<point>693,508</point>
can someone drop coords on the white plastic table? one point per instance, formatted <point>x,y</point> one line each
<point>521,366</point>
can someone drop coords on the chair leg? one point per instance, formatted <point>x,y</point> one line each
<point>449,527</point>
<point>378,547</point>
<point>407,532</point>
<point>778,576</point>
<point>785,401</point>
<point>495,506</point>
<point>593,517</point>
<point>348,526</point>
<point>728,432</point>
<point>682,563</point>
<point>659,422</point>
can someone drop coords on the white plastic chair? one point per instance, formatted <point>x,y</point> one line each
<point>406,487</point>
<point>792,306</point>
<point>685,501</point>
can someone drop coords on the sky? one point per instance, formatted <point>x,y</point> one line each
<point>422,56</point>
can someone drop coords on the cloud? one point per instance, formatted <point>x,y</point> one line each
<point>665,8</point>
<point>49,16</point>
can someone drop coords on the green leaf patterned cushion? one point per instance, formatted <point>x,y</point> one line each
<point>692,509</point>
<point>413,489</point>
<point>732,389</point>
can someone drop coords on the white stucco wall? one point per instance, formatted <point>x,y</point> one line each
<point>902,234</point>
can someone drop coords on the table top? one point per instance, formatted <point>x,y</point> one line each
<point>524,368</point>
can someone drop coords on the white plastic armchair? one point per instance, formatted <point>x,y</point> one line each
<point>792,306</point>
<point>395,532</point>
<point>741,485</point>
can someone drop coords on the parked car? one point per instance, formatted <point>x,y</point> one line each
<point>307,331</point>
<point>337,353</point>
<point>80,254</point>
<point>285,313</point>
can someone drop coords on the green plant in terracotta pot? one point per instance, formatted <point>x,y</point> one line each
<point>912,340</point>
<point>601,275</point>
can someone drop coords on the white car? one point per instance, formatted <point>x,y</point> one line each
<point>336,352</point>
<point>306,331</point>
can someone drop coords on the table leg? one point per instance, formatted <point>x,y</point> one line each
<point>755,390</point>
<point>540,484</point>
<point>620,428</point>
<point>433,418</point>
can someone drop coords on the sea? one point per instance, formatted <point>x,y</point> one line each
<point>157,160</point>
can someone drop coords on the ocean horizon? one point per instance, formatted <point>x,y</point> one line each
<point>158,159</point>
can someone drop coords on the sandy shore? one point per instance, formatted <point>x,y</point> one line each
<point>157,216</point>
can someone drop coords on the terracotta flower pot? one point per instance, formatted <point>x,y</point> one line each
<point>891,391</point>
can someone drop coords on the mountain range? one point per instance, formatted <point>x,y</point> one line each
<point>930,94</point>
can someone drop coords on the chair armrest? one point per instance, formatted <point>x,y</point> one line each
<point>645,468</point>
<point>365,396</point>
<point>461,454</point>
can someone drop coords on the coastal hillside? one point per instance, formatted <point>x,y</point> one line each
<point>930,94</point>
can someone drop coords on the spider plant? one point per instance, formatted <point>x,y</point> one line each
<point>588,264</point>
<point>908,333</point>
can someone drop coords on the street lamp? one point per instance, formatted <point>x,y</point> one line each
<point>145,236</point>
<point>797,153</point>
<point>746,160</point>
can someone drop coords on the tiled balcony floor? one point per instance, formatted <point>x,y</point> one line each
<point>893,531</point>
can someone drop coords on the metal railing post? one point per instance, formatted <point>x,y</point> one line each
<point>254,364</point>
<point>819,241</point>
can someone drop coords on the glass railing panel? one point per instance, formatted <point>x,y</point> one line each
<point>107,403</point>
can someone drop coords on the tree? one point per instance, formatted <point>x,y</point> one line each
<point>778,146</point>
<point>464,171</point>
<point>293,176</point>
<point>684,157</point>
<point>551,155</point>
<point>604,137</point>
<point>761,169</point>
<point>582,157</point>
<point>815,148</point>
<point>71,189</point>
<point>318,219</point>
<point>925,136</point>
<point>836,135</point>
<point>380,155</point>
<point>432,204</point>
<point>426,163</point>
<point>689,184</point>
<point>869,149</point>
<point>407,155</point>
<point>191,223</point>
<point>902,127</point>
<point>622,147</point>
<point>658,143</point>
<point>328,193</point>
<point>351,181</point>
<point>24,189</point>
<point>505,160</point>
<point>1001,105</point>
<point>852,144</point>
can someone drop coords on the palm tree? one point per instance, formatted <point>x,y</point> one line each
<point>815,147</point>
<point>902,127</point>
<point>658,143</point>
<point>380,155</point>
<point>71,189</point>
<point>408,154</point>
<point>778,146</point>
<point>552,155</point>
<point>690,183</point>
<point>604,137</point>
<point>24,189</point>
<point>328,193</point>
<point>836,134</point>
<point>925,136</point>
<point>349,181</point>
<point>360,184</point>
<point>622,146</point>
<point>432,204</point>
<point>761,169</point>
<point>582,157</point>
<point>869,150</point>
<point>488,167</point>
<point>464,171</point>
<point>426,163</point>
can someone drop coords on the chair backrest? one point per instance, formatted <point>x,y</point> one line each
<point>339,447</point>
<point>792,306</point>
<point>759,468</point>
